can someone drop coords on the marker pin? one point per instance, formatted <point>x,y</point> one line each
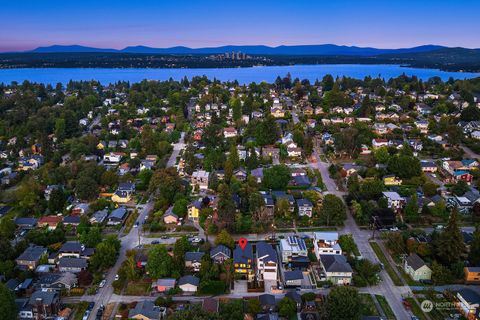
<point>242,243</point>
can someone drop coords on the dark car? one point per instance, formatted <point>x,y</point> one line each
<point>91,305</point>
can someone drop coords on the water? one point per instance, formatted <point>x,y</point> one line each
<point>242,75</point>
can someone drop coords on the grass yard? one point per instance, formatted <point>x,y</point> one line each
<point>386,307</point>
<point>81,308</point>
<point>416,309</point>
<point>388,267</point>
<point>138,288</point>
<point>368,305</point>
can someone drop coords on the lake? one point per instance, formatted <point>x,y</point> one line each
<point>242,75</point>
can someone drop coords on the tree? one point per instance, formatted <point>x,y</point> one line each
<point>194,312</point>
<point>347,244</point>
<point>405,166</point>
<point>182,245</point>
<point>159,262</point>
<point>254,307</point>
<point>441,275</point>
<point>474,255</point>
<point>430,189</point>
<point>225,238</point>
<point>451,246</point>
<point>460,188</point>
<point>333,210</point>
<point>232,310</point>
<point>411,209</point>
<point>8,308</point>
<point>85,278</point>
<point>57,200</point>
<point>343,303</point>
<point>166,184</point>
<point>106,253</point>
<point>91,237</point>
<point>382,155</point>
<point>283,208</point>
<point>7,228</point>
<point>287,307</point>
<point>276,177</point>
<point>86,188</point>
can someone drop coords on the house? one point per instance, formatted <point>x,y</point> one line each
<point>26,223</point>
<point>293,278</point>
<point>57,281</point>
<point>188,283</point>
<point>294,152</point>
<point>258,174</point>
<point>163,285</point>
<point>117,216</point>
<point>416,268</point>
<point>170,218</point>
<point>292,247</point>
<point>243,261</point>
<point>336,269</point>
<point>74,265</point>
<point>112,158</point>
<point>240,174</point>
<point>326,243</point>
<point>378,143</point>
<point>200,179</point>
<point>30,163</point>
<point>50,222</point>
<point>428,166</point>
<point>193,210</point>
<point>277,112</point>
<point>30,258</point>
<point>271,153</point>
<point>295,296</point>
<point>468,303</point>
<point>99,216</point>
<point>472,275</point>
<point>75,249</point>
<point>193,260</point>
<point>44,304</point>
<point>268,302</point>
<point>147,310</point>
<point>124,192</point>
<point>392,180</point>
<point>394,200</point>
<point>267,262</point>
<point>229,132</point>
<point>305,208</point>
<point>475,135</point>
<point>220,253</point>
<point>147,165</point>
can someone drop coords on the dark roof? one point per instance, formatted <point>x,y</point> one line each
<point>293,275</point>
<point>295,296</point>
<point>72,263</point>
<point>71,246</point>
<point>414,261</point>
<point>4,210</point>
<point>469,295</point>
<point>241,256</point>
<point>221,249</point>
<point>71,220</point>
<point>118,213</point>
<point>25,221</point>
<point>145,308</point>
<point>47,297</point>
<point>304,202</point>
<point>32,253</point>
<point>189,280</point>
<point>12,284</point>
<point>335,263</point>
<point>266,250</point>
<point>267,299</point>
<point>194,256</point>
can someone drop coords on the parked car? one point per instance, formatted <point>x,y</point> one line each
<point>102,283</point>
<point>117,277</point>
<point>155,242</point>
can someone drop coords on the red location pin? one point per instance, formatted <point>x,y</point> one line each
<point>242,243</point>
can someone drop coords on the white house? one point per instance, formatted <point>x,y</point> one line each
<point>267,262</point>
<point>292,247</point>
<point>326,243</point>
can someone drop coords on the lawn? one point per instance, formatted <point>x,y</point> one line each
<point>138,288</point>
<point>396,280</point>
<point>386,307</point>
<point>368,305</point>
<point>81,308</point>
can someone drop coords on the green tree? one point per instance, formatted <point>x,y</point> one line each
<point>182,245</point>
<point>474,254</point>
<point>7,228</point>
<point>441,275</point>
<point>225,238</point>
<point>343,303</point>
<point>382,155</point>
<point>86,188</point>
<point>57,200</point>
<point>8,308</point>
<point>254,307</point>
<point>405,166</point>
<point>460,188</point>
<point>287,307</point>
<point>106,253</point>
<point>411,209</point>
<point>333,210</point>
<point>451,246</point>
<point>159,262</point>
<point>232,310</point>
<point>276,177</point>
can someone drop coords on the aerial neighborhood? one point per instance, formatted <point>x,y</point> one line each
<point>133,200</point>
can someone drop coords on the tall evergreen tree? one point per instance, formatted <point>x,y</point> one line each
<point>451,246</point>
<point>474,256</point>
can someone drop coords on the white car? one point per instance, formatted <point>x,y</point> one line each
<point>117,277</point>
<point>102,283</point>
<point>394,229</point>
<point>196,240</point>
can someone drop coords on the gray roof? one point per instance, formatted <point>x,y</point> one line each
<point>189,280</point>
<point>221,250</point>
<point>267,299</point>
<point>266,250</point>
<point>72,263</point>
<point>194,256</point>
<point>335,263</point>
<point>25,221</point>
<point>118,213</point>
<point>293,275</point>
<point>145,308</point>
<point>47,297</point>
<point>32,253</point>
<point>241,256</point>
<point>469,295</point>
<point>71,246</point>
<point>414,261</point>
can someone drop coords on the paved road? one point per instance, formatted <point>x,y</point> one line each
<point>128,242</point>
<point>469,152</point>
<point>392,293</point>
<point>177,147</point>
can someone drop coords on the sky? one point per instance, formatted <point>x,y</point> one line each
<point>25,25</point>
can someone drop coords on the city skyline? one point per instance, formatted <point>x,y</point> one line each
<point>118,24</point>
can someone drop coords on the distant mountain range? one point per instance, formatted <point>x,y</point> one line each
<point>316,50</point>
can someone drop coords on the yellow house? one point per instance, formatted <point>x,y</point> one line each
<point>121,196</point>
<point>472,275</point>
<point>194,210</point>
<point>277,112</point>
<point>392,180</point>
<point>101,145</point>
